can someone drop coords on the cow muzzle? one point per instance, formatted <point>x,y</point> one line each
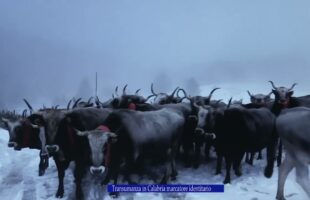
<point>199,131</point>
<point>211,136</point>
<point>97,170</point>
<point>50,149</point>
<point>12,144</point>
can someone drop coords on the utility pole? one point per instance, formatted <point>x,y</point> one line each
<point>96,84</point>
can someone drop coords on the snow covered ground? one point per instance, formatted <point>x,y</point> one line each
<point>19,180</point>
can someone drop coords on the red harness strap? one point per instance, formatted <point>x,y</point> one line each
<point>132,106</point>
<point>107,149</point>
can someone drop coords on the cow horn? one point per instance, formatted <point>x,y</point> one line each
<point>184,92</point>
<point>249,93</point>
<point>111,134</point>
<point>124,89</point>
<point>81,133</point>
<point>272,84</point>
<point>218,101</point>
<point>5,120</point>
<point>24,113</point>
<point>229,102</point>
<point>292,86</point>
<point>137,91</point>
<point>89,100</point>
<point>97,101</point>
<point>68,105</point>
<point>152,90</point>
<point>174,91</point>
<point>29,106</point>
<point>152,95</point>
<point>210,95</point>
<point>196,105</point>
<point>34,125</point>
<point>76,102</point>
<point>269,94</point>
<point>116,90</point>
<point>113,137</point>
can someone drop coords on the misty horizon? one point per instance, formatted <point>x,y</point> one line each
<point>50,51</point>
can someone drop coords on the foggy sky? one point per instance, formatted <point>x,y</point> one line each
<point>49,48</point>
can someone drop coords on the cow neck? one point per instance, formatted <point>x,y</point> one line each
<point>107,146</point>
<point>26,134</point>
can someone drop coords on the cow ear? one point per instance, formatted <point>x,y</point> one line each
<point>290,93</point>
<point>69,120</point>
<point>274,92</point>
<point>252,99</point>
<point>5,120</point>
<point>115,103</point>
<point>112,137</point>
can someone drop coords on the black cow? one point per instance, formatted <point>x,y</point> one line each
<point>236,131</point>
<point>137,136</point>
<point>283,99</point>
<point>196,102</point>
<point>23,134</point>
<point>257,101</point>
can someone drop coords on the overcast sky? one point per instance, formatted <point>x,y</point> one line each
<point>48,48</point>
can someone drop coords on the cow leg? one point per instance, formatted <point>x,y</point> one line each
<point>61,168</point>
<point>284,170</point>
<point>130,170</point>
<point>78,175</point>
<point>228,167</point>
<point>279,158</point>
<point>207,151</point>
<point>237,164</point>
<point>168,164</point>
<point>302,177</point>
<point>260,155</point>
<point>114,172</point>
<point>271,152</point>
<point>198,145</point>
<point>247,158</point>
<point>251,158</point>
<point>219,160</point>
<point>43,165</point>
<point>174,171</point>
<point>188,151</point>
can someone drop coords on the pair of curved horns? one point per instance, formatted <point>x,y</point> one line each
<point>274,87</point>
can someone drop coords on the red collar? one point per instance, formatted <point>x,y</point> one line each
<point>132,106</point>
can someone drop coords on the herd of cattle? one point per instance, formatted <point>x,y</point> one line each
<point>122,134</point>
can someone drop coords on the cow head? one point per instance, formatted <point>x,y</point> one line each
<point>49,120</point>
<point>259,99</point>
<point>197,101</point>
<point>100,141</point>
<point>206,122</point>
<point>23,134</point>
<point>282,94</point>
<point>128,101</point>
<point>164,98</point>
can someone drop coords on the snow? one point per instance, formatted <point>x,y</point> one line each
<point>19,180</point>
